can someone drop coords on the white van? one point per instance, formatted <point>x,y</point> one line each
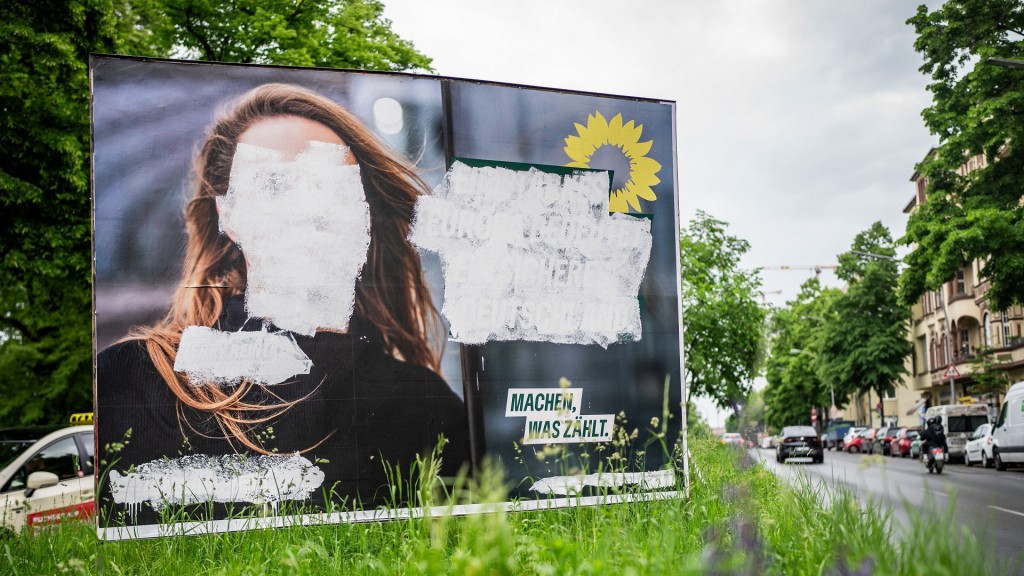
<point>1008,432</point>
<point>959,422</point>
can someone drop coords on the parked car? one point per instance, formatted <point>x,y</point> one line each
<point>868,446</point>
<point>855,442</point>
<point>733,439</point>
<point>799,444</point>
<point>768,443</point>
<point>901,445</point>
<point>881,444</point>
<point>850,434</point>
<point>979,447</point>
<point>915,447</point>
<point>1008,435</point>
<point>959,421</point>
<point>46,476</point>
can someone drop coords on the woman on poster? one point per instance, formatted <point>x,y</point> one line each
<point>295,363</point>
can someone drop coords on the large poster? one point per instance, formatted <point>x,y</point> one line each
<point>312,285</point>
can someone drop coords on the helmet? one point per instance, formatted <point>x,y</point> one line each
<point>934,420</point>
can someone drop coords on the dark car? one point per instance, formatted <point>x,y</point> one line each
<point>799,444</point>
<point>882,443</point>
<point>904,439</point>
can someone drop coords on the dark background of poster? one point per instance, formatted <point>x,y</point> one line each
<point>515,124</point>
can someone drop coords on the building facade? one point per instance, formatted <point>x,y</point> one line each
<point>957,337</point>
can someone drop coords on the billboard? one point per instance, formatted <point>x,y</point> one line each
<point>310,283</point>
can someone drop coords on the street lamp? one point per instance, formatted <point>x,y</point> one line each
<point>1006,62</point>
<point>831,388</point>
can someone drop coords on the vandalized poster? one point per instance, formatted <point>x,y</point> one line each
<point>313,287</point>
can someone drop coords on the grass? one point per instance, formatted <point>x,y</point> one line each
<point>739,519</point>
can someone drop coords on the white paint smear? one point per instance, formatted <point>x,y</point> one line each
<point>657,480</point>
<point>231,478</point>
<point>528,255</point>
<point>304,227</point>
<point>210,356</point>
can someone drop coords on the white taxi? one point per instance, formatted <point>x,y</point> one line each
<point>46,475</point>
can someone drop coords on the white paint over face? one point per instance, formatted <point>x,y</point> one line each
<point>295,206</point>
<point>210,356</point>
<point>658,480</point>
<point>231,478</point>
<point>528,255</point>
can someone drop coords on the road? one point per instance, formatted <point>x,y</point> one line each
<point>991,503</point>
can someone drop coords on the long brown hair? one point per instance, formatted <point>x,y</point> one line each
<point>392,302</point>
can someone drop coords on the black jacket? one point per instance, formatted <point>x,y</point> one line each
<point>364,409</point>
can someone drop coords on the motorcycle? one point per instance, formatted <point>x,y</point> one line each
<point>934,459</point>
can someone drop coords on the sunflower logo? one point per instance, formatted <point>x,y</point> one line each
<point>604,144</point>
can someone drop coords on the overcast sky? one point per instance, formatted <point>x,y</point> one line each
<point>798,120</point>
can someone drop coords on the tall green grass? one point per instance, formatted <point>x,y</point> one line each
<point>739,519</point>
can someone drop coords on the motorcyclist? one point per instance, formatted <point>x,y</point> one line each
<point>933,436</point>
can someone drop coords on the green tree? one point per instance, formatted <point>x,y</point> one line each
<point>793,369</point>
<point>987,376</point>
<point>45,262</point>
<point>723,322</point>
<point>865,343</point>
<point>330,33</point>
<point>749,420</point>
<point>978,108</point>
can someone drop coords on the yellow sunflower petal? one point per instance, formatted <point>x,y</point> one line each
<point>578,149</point>
<point>644,165</point>
<point>642,191</point>
<point>638,149</point>
<point>631,198</point>
<point>617,203</point>
<point>615,129</point>
<point>598,128</point>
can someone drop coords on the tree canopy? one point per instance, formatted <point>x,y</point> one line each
<point>977,109</point>
<point>45,258</point>
<point>723,322</point>
<point>329,33</point>
<point>793,370</point>
<point>864,343</point>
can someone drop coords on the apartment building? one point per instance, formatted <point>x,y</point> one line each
<point>950,327</point>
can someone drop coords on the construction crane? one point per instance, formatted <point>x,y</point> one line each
<point>817,269</point>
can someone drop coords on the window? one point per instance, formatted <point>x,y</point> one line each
<point>1005,318</point>
<point>965,343</point>
<point>88,444</point>
<point>988,330</point>
<point>961,287</point>
<point>921,351</point>
<point>60,457</point>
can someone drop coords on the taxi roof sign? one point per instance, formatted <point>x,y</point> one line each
<point>81,419</point>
